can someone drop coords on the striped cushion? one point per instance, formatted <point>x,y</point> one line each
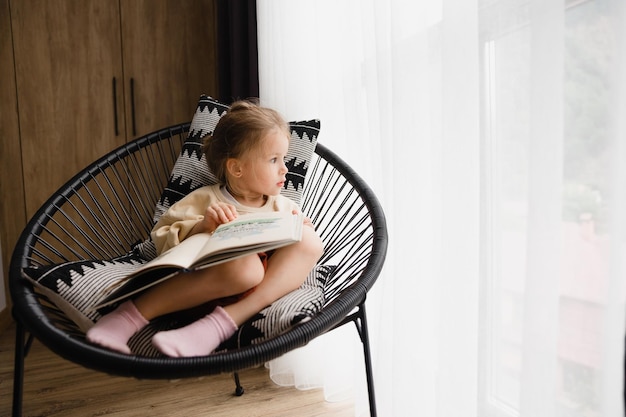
<point>75,287</point>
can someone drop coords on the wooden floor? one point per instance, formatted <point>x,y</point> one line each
<point>56,387</point>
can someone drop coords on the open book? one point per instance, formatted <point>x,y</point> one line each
<point>247,234</point>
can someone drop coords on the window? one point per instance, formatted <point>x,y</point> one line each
<point>578,183</point>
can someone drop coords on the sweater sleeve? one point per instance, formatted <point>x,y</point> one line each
<point>282,203</point>
<point>176,224</point>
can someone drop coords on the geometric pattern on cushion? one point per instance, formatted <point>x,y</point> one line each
<point>191,170</point>
<point>75,287</point>
<point>301,147</point>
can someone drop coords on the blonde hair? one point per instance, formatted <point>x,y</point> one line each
<point>238,132</point>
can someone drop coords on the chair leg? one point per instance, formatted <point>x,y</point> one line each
<point>239,391</point>
<point>18,371</point>
<point>363,333</point>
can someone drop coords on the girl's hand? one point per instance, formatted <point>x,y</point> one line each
<point>216,214</point>
<point>306,221</point>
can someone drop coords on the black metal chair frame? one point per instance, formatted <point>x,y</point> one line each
<point>107,207</point>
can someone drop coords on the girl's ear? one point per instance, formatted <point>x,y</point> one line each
<point>233,166</point>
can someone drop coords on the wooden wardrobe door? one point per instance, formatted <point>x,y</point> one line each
<point>67,54</point>
<point>12,211</point>
<point>170,58</point>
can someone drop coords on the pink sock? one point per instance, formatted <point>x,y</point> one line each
<point>114,329</point>
<point>197,339</point>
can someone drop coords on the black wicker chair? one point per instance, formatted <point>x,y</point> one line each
<point>108,206</point>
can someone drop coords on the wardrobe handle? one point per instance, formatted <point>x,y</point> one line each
<point>115,121</point>
<point>132,105</point>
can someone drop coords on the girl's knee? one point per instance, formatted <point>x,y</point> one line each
<point>242,274</point>
<point>249,272</point>
<point>311,243</point>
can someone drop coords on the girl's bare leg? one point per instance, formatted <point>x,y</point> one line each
<point>195,288</point>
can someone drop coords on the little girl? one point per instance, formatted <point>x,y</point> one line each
<point>246,152</point>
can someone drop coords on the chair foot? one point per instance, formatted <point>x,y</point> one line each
<point>361,325</point>
<point>239,391</point>
<point>21,348</point>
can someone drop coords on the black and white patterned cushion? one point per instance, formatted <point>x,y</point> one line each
<point>191,170</point>
<point>75,287</point>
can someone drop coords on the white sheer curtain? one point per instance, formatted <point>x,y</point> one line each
<point>492,133</point>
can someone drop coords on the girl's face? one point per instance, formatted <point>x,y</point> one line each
<point>262,170</point>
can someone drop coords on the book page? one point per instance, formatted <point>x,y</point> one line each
<point>252,230</point>
<point>182,255</point>
<point>245,232</point>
